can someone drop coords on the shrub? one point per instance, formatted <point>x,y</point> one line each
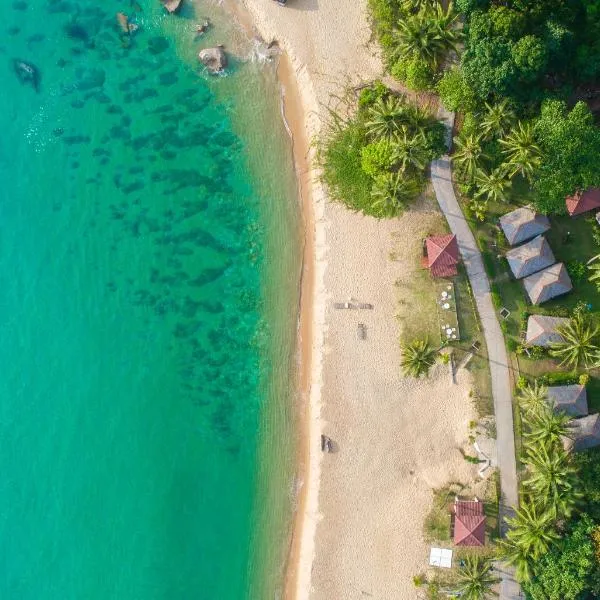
<point>454,92</point>
<point>558,378</point>
<point>584,379</point>
<point>490,267</point>
<point>369,95</point>
<point>534,352</point>
<point>522,382</point>
<point>577,270</point>
<point>377,157</point>
<point>497,301</point>
<point>512,345</point>
<point>419,580</point>
<point>560,311</point>
<point>414,72</point>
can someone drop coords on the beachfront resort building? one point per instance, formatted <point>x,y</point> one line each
<point>468,521</point>
<point>531,257</point>
<point>543,330</point>
<point>523,224</point>
<point>547,284</point>
<point>570,399</point>
<point>441,255</point>
<point>583,201</point>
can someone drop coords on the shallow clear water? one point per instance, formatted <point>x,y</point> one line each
<point>149,267</point>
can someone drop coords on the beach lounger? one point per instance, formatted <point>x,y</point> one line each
<point>362,331</point>
<point>343,305</point>
<point>365,305</point>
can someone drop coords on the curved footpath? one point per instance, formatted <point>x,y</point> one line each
<point>441,177</point>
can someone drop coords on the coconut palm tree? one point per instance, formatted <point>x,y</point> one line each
<point>498,119</point>
<point>547,428</point>
<point>553,477</point>
<point>492,186</point>
<point>532,529</point>
<point>385,117</point>
<point>417,358</point>
<point>533,398</point>
<point>479,209</point>
<point>410,151</point>
<point>475,579</point>
<point>427,35</point>
<point>594,266</point>
<point>580,343</point>
<point>523,154</point>
<point>468,155</point>
<point>516,556</point>
<point>392,191</point>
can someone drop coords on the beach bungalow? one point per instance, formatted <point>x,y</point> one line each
<point>582,202</point>
<point>543,331</point>
<point>570,399</point>
<point>441,255</point>
<point>468,520</point>
<point>523,224</point>
<point>547,284</point>
<point>584,433</point>
<point>530,258</point>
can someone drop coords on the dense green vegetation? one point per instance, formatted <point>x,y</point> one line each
<point>522,67</point>
<point>375,161</point>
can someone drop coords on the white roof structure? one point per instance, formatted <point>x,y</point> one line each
<point>440,557</point>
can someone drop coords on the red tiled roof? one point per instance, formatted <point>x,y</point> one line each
<point>469,523</point>
<point>581,202</point>
<point>442,255</point>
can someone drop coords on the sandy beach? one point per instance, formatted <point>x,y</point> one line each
<point>361,509</point>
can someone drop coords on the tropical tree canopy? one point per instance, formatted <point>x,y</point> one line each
<point>580,346</point>
<point>417,358</point>
<point>476,578</point>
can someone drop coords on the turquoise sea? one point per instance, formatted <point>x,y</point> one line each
<point>149,267</point>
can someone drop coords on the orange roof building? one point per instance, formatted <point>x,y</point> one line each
<point>469,523</point>
<point>581,202</point>
<point>442,255</point>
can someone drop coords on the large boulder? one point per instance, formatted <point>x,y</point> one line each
<point>172,6</point>
<point>214,59</point>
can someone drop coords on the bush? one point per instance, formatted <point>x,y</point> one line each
<point>522,382</point>
<point>535,352</point>
<point>415,73</point>
<point>419,580</point>
<point>577,270</point>
<point>369,95</point>
<point>558,378</point>
<point>560,311</point>
<point>377,157</point>
<point>454,92</point>
<point>584,379</point>
<point>490,267</point>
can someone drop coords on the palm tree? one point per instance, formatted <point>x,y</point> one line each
<point>523,154</point>
<point>553,478</point>
<point>385,117</point>
<point>475,579</point>
<point>516,556</point>
<point>417,358</point>
<point>479,209</point>
<point>532,529</point>
<point>547,428</point>
<point>492,186</point>
<point>410,150</point>
<point>392,191</point>
<point>533,398</point>
<point>579,345</point>
<point>427,35</point>
<point>594,266</point>
<point>498,119</point>
<point>468,155</point>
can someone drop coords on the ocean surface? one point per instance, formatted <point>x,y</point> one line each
<point>149,267</point>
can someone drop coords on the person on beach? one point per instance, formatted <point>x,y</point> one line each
<point>202,29</point>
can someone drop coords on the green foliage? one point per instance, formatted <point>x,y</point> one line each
<point>580,345</point>
<point>588,466</point>
<point>570,142</point>
<point>417,358</point>
<point>369,95</point>
<point>454,92</point>
<point>577,271</point>
<point>377,157</point>
<point>476,578</point>
<point>568,571</point>
<point>375,162</point>
<point>340,158</point>
<point>558,378</point>
<point>530,56</point>
<point>415,72</point>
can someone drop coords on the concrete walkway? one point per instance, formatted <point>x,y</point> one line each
<point>501,387</point>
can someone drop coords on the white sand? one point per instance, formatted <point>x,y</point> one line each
<point>363,509</point>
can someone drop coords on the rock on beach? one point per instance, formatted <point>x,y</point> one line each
<point>214,59</point>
